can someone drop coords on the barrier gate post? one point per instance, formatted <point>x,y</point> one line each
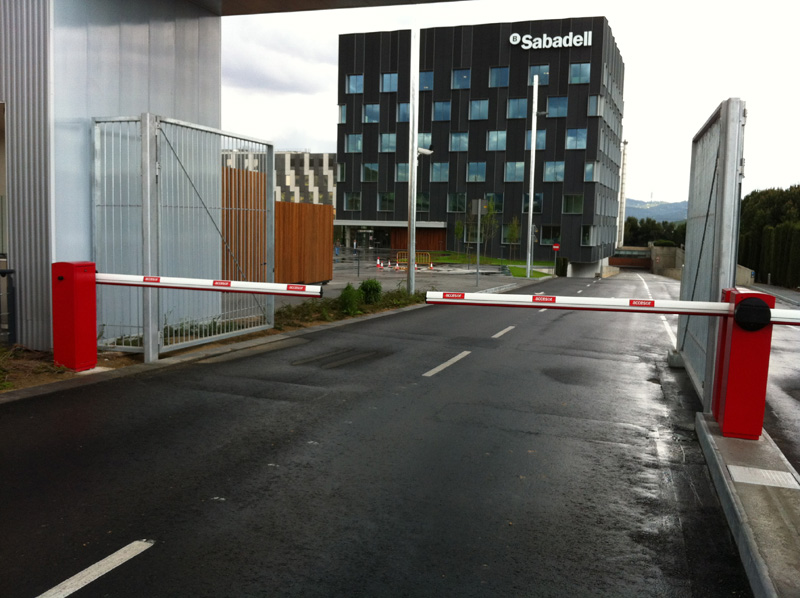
<point>74,315</point>
<point>742,364</point>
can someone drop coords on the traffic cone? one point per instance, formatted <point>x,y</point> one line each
<point>378,265</point>
<point>431,268</point>
<point>389,263</point>
<point>396,266</point>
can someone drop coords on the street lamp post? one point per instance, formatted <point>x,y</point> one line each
<point>413,153</point>
<point>532,170</point>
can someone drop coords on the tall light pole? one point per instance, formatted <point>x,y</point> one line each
<point>532,170</point>
<point>413,152</point>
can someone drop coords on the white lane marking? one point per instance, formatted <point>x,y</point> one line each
<point>581,291</point>
<point>87,576</point>
<point>502,332</point>
<point>543,309</point>
<point>446,364</point>
<point>671,334</point>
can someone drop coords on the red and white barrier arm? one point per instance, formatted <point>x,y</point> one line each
<point>198,284</point>
<point>654,306</point>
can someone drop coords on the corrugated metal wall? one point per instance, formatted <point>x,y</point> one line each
<point>24,82</point>
<point>62,64</point>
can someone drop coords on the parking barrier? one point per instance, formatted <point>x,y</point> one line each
<point>743,341</point>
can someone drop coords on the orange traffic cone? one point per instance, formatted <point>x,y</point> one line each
<point>378,264</point>
<point>431,268</point>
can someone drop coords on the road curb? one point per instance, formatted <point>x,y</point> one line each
<point>739,519</point>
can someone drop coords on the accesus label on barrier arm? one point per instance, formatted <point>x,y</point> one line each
<point>199,284</point>
<point>655,306</point>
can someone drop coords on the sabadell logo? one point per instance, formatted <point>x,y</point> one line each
<point>570,40</point>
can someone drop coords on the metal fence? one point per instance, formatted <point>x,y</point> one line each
<point>177,199</point>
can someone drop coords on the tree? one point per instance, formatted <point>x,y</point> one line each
<point>512,234</point>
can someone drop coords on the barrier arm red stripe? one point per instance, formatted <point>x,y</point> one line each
<point>198,284</point>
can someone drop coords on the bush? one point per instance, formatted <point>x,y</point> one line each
<point>350,300</point>
<point>371,290</point>
<point>664,243</point>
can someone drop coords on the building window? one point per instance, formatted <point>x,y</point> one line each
<point>541,139</point>
<point>369,173</point>
<point>441,111</point>
<point>342,114</point>
<point>538,199</point>
<point>496,141</point>
<point>440,172</point>
<point>476,172</point>
<point>426,80</point>
<point>576,139</point>
<point>388,142</point>
<point>573,204</point>
<point>355,83</point>
<point>580,72</point>
<point>457,202</point>
<point>424,140</point>
<point>459,142</point>
<point>593,108</point>
<point>550,235</point>
<point>543,70</point>
<point>496,199</point>
<point>515,172</point>
<point>386,202</point>
<point>553,171</point>
<point>352,201</point>
<point>460,79</point>
<point>498,76</point>
<point>423,202</point>
<point>517,108</point>
<point>372,113</point>
<point>341,169</point>
<point>402,112</point>
<point>587,235</point>
<point>352,143</point>
<point>389,82</point>
<point>589,170</point>
<point>478,109</point>
<point>556,106</point>
<point>401,172</point>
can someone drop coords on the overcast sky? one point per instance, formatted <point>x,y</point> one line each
<point>682,59</point>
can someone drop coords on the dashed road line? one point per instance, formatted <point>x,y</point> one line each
<point>87,576</point>
<point>446,364</point>
<point>502,332</point>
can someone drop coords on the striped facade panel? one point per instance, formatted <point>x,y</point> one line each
<point>24,76</point>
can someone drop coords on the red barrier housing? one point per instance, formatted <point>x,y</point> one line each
<point>740,376</point>
<point>74,315</point>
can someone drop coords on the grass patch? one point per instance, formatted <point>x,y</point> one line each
<point>453,257</point>
<point>519,272</point>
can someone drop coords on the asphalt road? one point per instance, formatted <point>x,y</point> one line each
<point>440,451</point>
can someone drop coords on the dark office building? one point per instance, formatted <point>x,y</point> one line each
<point>475,114</point>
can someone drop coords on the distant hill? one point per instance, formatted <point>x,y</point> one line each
<point>659,211</point>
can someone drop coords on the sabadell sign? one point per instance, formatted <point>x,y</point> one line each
<point>570,40</point>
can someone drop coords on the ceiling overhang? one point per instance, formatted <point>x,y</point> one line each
<point>227,8</point>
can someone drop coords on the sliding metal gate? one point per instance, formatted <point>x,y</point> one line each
<point>181,200</point>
